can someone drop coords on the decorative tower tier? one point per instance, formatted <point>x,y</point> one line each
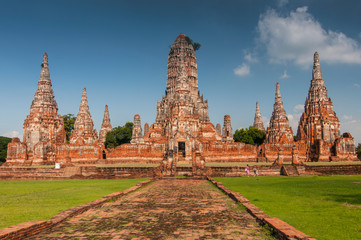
<point>279,130</point>
<point>83,131</point>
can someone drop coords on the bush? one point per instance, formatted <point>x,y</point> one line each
<point>119,135</point>
<point>252,136</point>
<point>3,148</point>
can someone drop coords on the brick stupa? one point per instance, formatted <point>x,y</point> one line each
<point>279,130</point>
<point>84,132</point>
<point>258,123</point>
<point>319,127</point>
<point>106,126</point>
<point>43,127</point>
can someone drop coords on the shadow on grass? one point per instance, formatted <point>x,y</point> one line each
<point>349,198</point>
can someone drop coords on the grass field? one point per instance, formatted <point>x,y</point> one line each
<point>22,201</point>
<point>324,207</point>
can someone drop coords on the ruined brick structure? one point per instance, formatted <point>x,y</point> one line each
<point>83,132</point>
<point>279,136</point>
<point>319,127</point>
<point>43,127</point>
<point>182,130</point>
<point>258,123</point>
<point>106,126</point>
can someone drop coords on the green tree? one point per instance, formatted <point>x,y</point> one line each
<point>69,120</point>
<point>196,45</point>
<point>119,135</point>
<point>358,151</point>
<point>3,148</point>
<point>249,135</point>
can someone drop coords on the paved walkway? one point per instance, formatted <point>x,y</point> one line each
<point>166,209</point>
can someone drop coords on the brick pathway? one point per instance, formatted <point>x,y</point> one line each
<point>166,209</point>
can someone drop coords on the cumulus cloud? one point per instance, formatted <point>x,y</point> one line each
<point>12,134</point>
<point>295,117</point>
<point>295,37</point>
<point>242,70</point>
<point>298,108</point>
<point>250,58</point>
<point>265,121</point>
<point>285,75</point>
<point>356,85</point>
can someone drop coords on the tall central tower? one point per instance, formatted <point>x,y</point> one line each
<point>182,111</point>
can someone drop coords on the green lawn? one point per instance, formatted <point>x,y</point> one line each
<point>22,201</point>
<point>325,207</point>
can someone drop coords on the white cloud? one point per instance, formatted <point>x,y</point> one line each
<point>243,70</point>
<point>347,117</point>
<point>356,85</point>
<point>12,134</point>
<point>265,121</point>
<point>295,37</point>
<point>250,58</point>
<point>298,108</point>
<point>285,75</point>
<point>293,120</point>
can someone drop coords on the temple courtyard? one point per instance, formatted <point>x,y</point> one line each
<point>324,207</point>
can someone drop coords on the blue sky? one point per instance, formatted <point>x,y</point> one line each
<point>118,50</point>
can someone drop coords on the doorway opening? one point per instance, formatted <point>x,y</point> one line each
<point>182,148</point>
<point>104,155</point>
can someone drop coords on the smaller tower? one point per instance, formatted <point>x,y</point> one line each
<point>83,131</point>
<point>279,130</point>
<point>137,134</point>
<point>106,126</point>
<point>146,128</point>
<point>258,123</point>
<point>219,129</point>
<point>227,135</point>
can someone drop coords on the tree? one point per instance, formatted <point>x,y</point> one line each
<point>3,148</point>
<point>252,136</point>
<point>358,151</point>
<point>69,121</point>
<point>119,135</point>
<point>196,45</point>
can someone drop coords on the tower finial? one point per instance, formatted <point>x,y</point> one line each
<point>316,72</point>
<point>278,92</point>
<point>45,58</point>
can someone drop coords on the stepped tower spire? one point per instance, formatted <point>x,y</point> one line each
<point>43,123</point>
<point>84,131</point>
<point>227,133</point>
<point>137,133</point>
<point>258,123</point>
<point>318,121</point>
<point>106,126</point>
<point>279,130</point>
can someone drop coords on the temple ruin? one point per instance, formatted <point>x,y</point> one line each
<point>182,131</point>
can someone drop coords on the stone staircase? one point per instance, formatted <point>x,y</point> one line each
<point>289,170</point>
